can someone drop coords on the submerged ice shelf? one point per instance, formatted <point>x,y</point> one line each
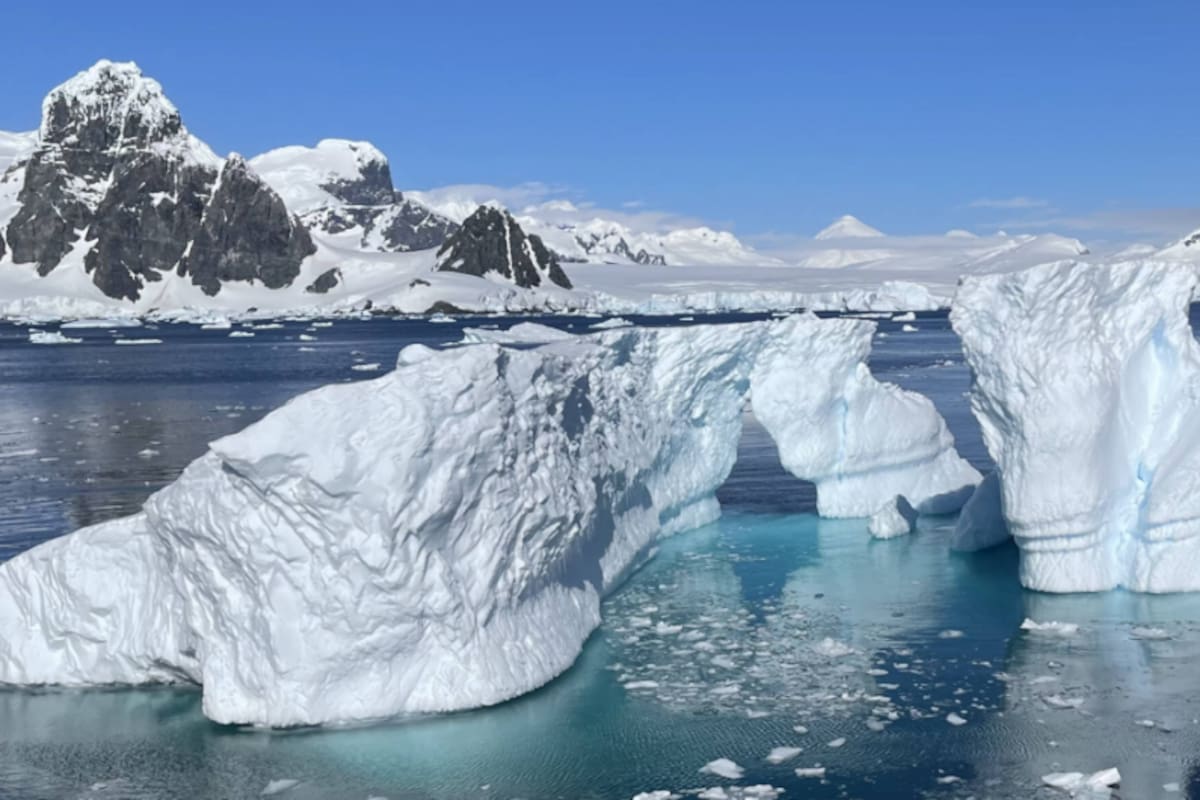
<point>440,537</point>
<point>1087,388</point>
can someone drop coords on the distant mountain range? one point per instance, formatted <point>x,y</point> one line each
<point>114,205</point>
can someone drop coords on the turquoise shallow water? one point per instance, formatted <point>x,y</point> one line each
<point>729,638</point>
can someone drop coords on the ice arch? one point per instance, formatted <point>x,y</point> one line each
<point>440,538</point>
<point>1087,388</point>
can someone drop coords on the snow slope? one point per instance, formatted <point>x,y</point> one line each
<point>440,537</point>
<point>1087,387</point>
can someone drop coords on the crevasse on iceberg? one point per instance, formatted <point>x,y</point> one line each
<point>1087,387</point>
<point>440,538</point>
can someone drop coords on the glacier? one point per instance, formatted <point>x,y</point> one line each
<point>440,537</point>
<point>1086,383</point>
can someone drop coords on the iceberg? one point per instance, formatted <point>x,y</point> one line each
<point>440,537</point>
<point>1086,383</point>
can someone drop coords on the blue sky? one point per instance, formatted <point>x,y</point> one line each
<point>768,117</point>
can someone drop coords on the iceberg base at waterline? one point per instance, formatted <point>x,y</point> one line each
<point>440,537</point>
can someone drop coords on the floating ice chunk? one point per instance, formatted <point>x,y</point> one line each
<point>724,768</point>
<point>951,633</point>
<point>372,367</point>
<point>1086,383</point>
<point>778,755</point>
<point>810,772</point>
<point>1148,633</point>
<point>955,720</point>
<point>218,325</point>
<point>800,729</point>
<point>838,742</point>
<point>440,537</point>
<point>909,328</point>
<point>521,333</point>
<point>137,341</point>
<point>279,786</point>
<point>307,337</point>
<point>896,518</point>
<point>658,794</point>
<point>1052,627</point>
<point>1077,784</point>
<point>51,337</point>
<point>609,324</point>
<point>635,685</point>
<point>240,334</point>
<point>907,316</point>
<point>1059,701</point>
<point>832,648</point>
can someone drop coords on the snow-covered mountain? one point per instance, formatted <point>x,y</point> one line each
<point>343,190</point>
<point>848,227</point>
<point>115,185</point>
<point>586,235</point>
<point>113,206</point>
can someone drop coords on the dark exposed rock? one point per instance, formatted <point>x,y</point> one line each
<point>490,240</point>
<point>325,281</point>
<point>246,234</point>
<point>442,307</point>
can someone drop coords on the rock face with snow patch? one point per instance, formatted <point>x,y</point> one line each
<point>343,189</point>
<point>118,183</point>
<point>491,242</point>
<point>1087,387</point>
<point>440,538</point>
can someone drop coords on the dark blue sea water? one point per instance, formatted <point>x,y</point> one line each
<point>731,637</point>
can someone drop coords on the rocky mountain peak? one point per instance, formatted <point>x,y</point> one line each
<point>108,106</point>
<point>490,241</point>
<point>117,183</point>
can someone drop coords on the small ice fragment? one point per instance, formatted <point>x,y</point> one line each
<point>1059,628</point>
<point>896,518</point>
<point>838,742</point>
<point>725,768</point>
<point>951,634</point>
<point>1150,634</point>
<point>908,328</point>
<point>658,794</point>
<point>240,334</point>
<point>810,772</point>
<point>1059,701</point>
<point>833,648</point>
<point>137,341</point>
<point>281,785</point>
<point>642,685</point>
<point>946,780</point>
<point>800,729</point>
<point>725,662</point>
<point>955,720</point>
<point>365,367</point>
<point>778,755</point>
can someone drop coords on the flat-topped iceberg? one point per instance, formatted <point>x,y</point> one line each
<point>440,537</point>
<point>1087,387</point>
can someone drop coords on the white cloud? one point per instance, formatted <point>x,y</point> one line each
<point>554,204</point>
<point>1008,202</point>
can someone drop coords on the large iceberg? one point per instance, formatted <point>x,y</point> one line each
<point>440,538</point>
<point>1087,387</point>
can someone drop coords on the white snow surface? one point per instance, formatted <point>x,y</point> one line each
<point>297,173</point>
<point>1087,388</point>
<point>441,536</point>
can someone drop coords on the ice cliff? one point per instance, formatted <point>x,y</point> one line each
<point>1087,387</point>
<point>440,538</point>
